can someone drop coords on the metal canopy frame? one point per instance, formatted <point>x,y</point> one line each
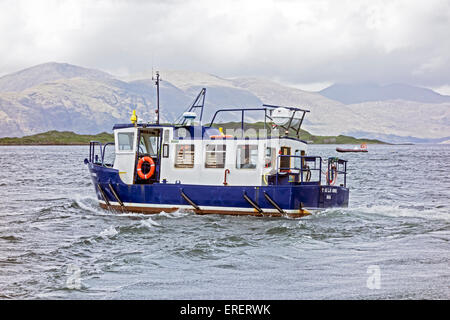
<point>289,126</point>
<point>242,110</point>
<point>268,109</point>
<point>199,103</point>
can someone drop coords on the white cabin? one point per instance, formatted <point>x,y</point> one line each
<point>205,158</point>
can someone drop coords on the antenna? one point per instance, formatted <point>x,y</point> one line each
<point>157,95</point>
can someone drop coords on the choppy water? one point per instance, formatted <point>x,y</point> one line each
<point>56,243</point>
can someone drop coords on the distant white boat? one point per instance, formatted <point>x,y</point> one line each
<point>362,148</point>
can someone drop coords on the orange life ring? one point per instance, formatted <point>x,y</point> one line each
<point>139,167</point>
<point>221,136</point>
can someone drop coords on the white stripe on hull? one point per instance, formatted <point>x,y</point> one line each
<point>208,208</point>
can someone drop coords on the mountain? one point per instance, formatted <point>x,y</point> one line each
<point>56,96</point>
<point>358,93</point>
<point>47,72</point>
<point>60,96</point>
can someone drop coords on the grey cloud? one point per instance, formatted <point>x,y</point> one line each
<point>295,42</point>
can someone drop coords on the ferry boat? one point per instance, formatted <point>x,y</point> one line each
<point>190,166</point>
<point>362,148</point>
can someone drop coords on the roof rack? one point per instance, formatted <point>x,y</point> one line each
<point>268,109</point>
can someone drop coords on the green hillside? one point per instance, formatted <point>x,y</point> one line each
<point>58,138</point>
<point>71,138</point>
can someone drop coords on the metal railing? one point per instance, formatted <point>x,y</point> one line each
<point>268,109</point>
<point>94,156</point>
<point>336,168</point>
<point>308,165</point>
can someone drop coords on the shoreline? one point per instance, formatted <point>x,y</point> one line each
<point>87,144</point>
<point>69,138</point>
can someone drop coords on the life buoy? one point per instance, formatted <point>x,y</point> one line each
<point>224,136</point>
<point>308,173</point>
<point>334,173</point>
<point>139,167</point>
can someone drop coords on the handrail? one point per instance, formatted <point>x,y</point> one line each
<point>343,163</point>
<point>92,155</point>
<point>104,149</point>
<point>92,145</point>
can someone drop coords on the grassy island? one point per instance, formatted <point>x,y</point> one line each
<point>58,138</point>
<point>70,138</point>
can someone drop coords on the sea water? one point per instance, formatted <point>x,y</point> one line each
<point>392,242</point>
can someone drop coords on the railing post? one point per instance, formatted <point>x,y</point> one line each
<point>242,124</point>
<point>301,168</point>
<point>278,157</point>
<point>345,174</point>
<point>328,172</point>
<point>320,171</point>
<point>101,151</point>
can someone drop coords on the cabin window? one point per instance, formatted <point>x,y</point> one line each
<point>215,155</point>
<point>297,161</point>
<point>184,156</point>
<point>142,146</point>
<point>247,156</point>
<point>285,162</point>
<point>165,151</point>
<point>125,141</point>
<point>270,157</point>
<point>149,144</point>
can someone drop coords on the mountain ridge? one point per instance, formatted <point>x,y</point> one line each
<point>88,101</point>
<point>359,93</point>
<point>47,72</point>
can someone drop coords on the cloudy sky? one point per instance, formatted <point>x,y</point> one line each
<point>307,43</point>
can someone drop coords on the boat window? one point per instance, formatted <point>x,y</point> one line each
<point>285,162</point>
<point>270,157</point>
<point>297,161</point>
<point>184,156</point>
<point>142,146</point>
<point>215,155</point>
<point>247,156</point>
<point>149,145</point>
<point>125,141</point>
<point>165,152</point>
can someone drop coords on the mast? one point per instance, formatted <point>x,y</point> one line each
<point>157,96</point>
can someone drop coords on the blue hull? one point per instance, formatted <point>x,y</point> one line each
<point>204,199</point>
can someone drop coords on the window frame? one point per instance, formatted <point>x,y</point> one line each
<point>250,146</point>
<point>272,157</point>
<point>165,150</point>
<point>283,160</point>
<point>216,156</point>
<point>184,165</point>
<point>297,161</point>
<point>133,138</point>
